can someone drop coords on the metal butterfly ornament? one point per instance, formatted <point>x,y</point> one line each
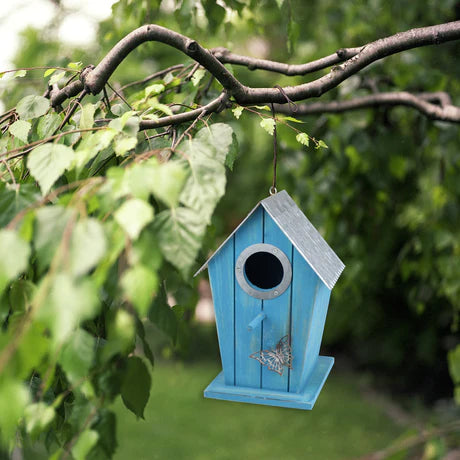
<point>278,358</point>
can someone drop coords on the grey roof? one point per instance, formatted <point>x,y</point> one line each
<point>301,233</point>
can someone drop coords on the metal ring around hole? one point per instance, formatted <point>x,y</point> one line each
<point>260,293</point>
<point>272,190</point>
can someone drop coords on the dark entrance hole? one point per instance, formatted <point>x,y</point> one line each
<point>263,270</point>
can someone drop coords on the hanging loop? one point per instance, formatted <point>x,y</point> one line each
<point>272,190</point>
<point>291,103</point>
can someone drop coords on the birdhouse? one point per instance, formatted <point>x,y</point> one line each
<point>271,282</point>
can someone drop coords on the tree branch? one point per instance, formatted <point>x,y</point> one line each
<point>213,106</point>
<point>422,102</point>
<point>227,57</point>
<point>352,61</point>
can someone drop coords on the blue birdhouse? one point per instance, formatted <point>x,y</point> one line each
<point>271,281</point>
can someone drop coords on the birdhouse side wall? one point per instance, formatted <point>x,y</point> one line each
<point>315,333</point>
<point>305,286</point>
<point>222,279</point>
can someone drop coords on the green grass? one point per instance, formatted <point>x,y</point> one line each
<point>181,424</point>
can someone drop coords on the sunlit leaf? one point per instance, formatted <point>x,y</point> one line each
<point>269,125</point>
<point>180,232</point>
<point>133,215</point>
<point>198,76</point>
<point>303,138</point>
<point>38,417</point>
<point>87,116</point>
<point>48,162</point>
<point>139,286</point>
<point>13,400</point>
<point>15,254</point>
<point>32,107</point>
<point>85,442</point>
<point>88,245</point>
<point>20,129</point>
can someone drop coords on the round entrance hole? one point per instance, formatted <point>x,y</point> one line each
<point>264,270</point>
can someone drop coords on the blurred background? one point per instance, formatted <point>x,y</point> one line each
<point>385,195</point>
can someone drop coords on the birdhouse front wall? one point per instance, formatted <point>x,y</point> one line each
<point>299,311</point>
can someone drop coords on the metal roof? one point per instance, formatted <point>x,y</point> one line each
<point>301,233</point>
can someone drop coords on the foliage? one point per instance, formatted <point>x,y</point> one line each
<point>100,223</point>
<point>82,257</point>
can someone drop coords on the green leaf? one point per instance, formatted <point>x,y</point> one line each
<point>20,73</point>
<point>68,304</point>
<point>20,129</point>
<point>168,181</point>
<point>120,335</point>
<point>13,400</point>
<point>133,215</point>
<point>86,441</point>
<point>21,294</point>
<point>155,105</point>
<point>322,144</point>
<point>87,116</point>
<point>128,124</point>
<point>49,72</point>
<point>124,144</point>
<point>162,315</point>
<point>48,162</point>
<point>293,35</point>
<point>237,111</point>
<point>75,65</point>
<point>50,224</point>
<point>215,14</point>
<point>179,232</point>
<point>56,77</point>
<point>154,89</point>
<point>88,246</point>
<point>206,154</point>
<point>91,145</point>
<point>198,76</point>
<point>232,153</point>
<point>269,125</point>
<point>38,417</point>
<point>139,285</point>
<point>135,390</point>
<point>32,107</point>
<point>76,357</point>
<point>14,199</point>
<point>454,364</point>
<point>15,256</point>
<point>303,138</point>
<point>48,124</point>
<point>294,120</point>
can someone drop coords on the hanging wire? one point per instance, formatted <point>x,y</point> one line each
<point>293,106</point>
<point>272,189</point>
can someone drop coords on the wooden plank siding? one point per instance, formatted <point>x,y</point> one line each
<point>247,370</point>
<point>277,323</point>
<point>315,333</point>
<point>222,279</point>
<point>304,286</point>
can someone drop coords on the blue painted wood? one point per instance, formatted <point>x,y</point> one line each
<point>304,400</point>
<point>315,333</point>
<point>257,321</point>
<point>277,323</point>
<point>222,279</point>
<point>305,285</point>
<point>247,370</point>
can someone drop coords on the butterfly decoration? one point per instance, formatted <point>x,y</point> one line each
<point>278,358</point>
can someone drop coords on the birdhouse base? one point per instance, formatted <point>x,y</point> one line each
<point>304,400</point>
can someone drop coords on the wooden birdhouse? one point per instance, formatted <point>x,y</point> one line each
<point>271,281</point>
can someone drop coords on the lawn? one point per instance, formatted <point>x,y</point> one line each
<point>181,424</point>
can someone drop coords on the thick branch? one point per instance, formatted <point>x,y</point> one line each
<point>227,57</point>
<point>370,53</point>
<point>96,79</point>
<point>421,102</point>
